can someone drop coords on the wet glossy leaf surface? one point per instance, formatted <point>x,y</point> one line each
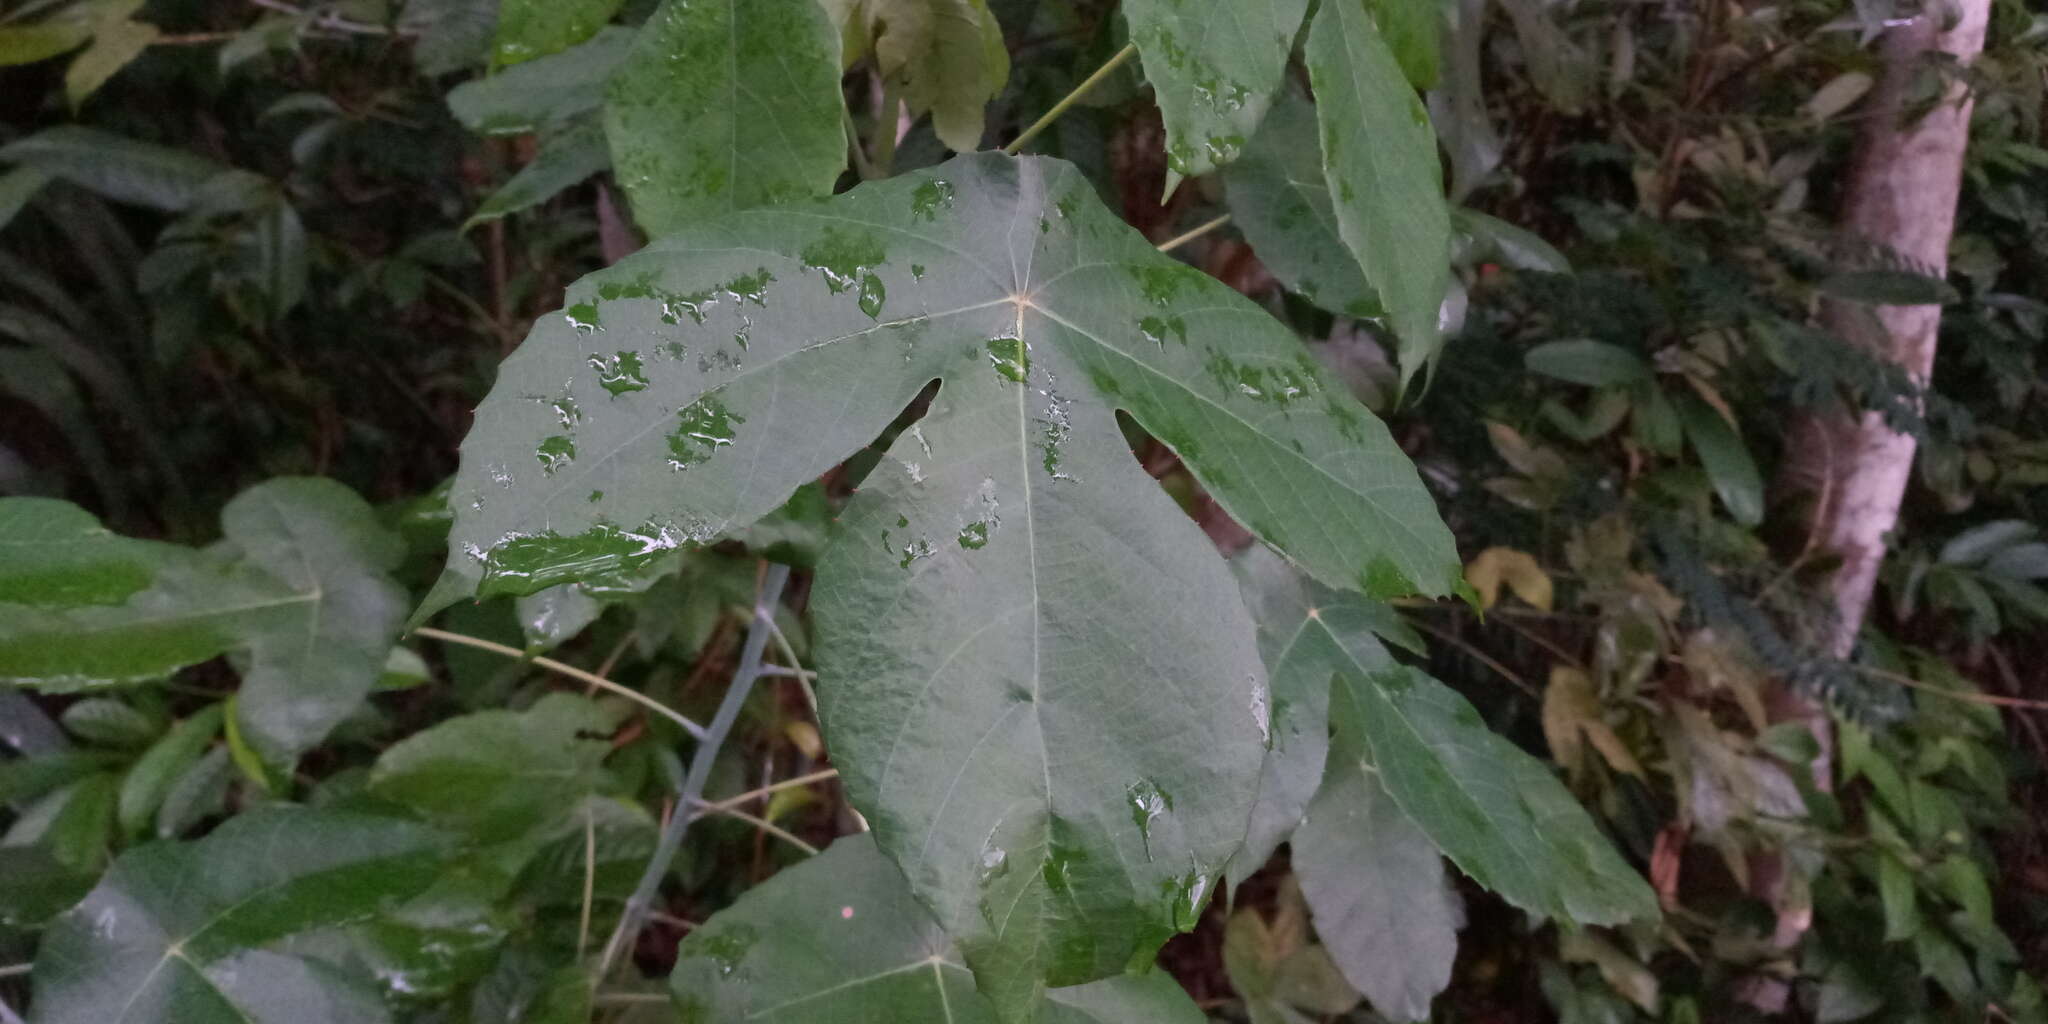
<point>544,92</point>
<point>300,585</point>
<point>535,28</point>
<point>175,931</point>
<point>1015,746</point>
<point>839,939</point>
<point>722,106</point>
<point>1379,158</point>
<point>1213,69</point>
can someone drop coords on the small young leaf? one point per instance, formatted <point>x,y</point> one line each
<point>722,106</point>
<point>1379,158</point>
<point>840,934</point>
<point>528,29</point>
<point>1376,889</point>
<point>1213,69</point>
<point>159,767</point>
<point>176,931</point>
<point>1726,458</point>
<point>1595,364</point>
<point>1485,237</point>
<point>108,722</point>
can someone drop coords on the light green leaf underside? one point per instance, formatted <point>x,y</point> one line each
<point>1375,887</point>
<point>1213,69</point>
<point>839,939</point>
<point>726,104</point>
<point>300,586</point>
<point>175,931</point>
<point>1497,812</point>
<point>1380,160</point>
<point>1299,663</point>
<point>1280,200</point>
<point>982,690</point>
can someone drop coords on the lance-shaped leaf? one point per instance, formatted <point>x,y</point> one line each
<point>300,586</point>
<point>1014,742</point>
<point>1213,69</point>
<point>1280,200</point>
<point>1375,887</point>
<point>839,938</point>
<point>1379,158</point>
<point>177,931</point>
<point>1495,811</point>
<point>727,105</point>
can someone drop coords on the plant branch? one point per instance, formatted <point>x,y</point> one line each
<point>1198,231</point>
<point>861,165</point>
<point>1108,67</point>
<point>756,794</point>
<point>706,810</point>
<point>885,129</point>
<point>327,21</point>
<point>765,600</point>
<point>562,668</point>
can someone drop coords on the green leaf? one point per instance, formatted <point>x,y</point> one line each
<point>1379,158</point>
<point>1495,811</point>
<point>840,938</point>
<point>1409,27</point>
<point>114,166</point>
<point>1213,69</point>
<point>1280,200</point>
<point>154,773</point>
<point>1888,288</point>
<point>27,44</point>
<point>722,106</point>
<point>1973,546</point>
<point>945,56</point>
<point>35,886</point>
<point>108,722</point>
<point>543,92</point>
<point>114,44</point>
<point>1726,458</point>
<point>1595,364</point>
<point>536,28</point>
<point>1897,891</point>
<point>449,35</point>
<point>565,158</point>
<point>301,586</point>
<point>1009,521</point>
<point>54,554</point>
<point>1375,887</point>
<point>75,823</point>
<point>198,791</point>
<point>499,774</point>
<point>17,187</point>
<point>1486,237</point>
<point>175,931</point>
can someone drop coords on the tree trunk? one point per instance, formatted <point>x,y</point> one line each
<point>1901,196</point>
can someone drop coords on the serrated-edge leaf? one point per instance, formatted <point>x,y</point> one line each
<point>1379,158</point>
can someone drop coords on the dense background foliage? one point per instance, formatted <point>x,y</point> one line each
<point>243,242</point>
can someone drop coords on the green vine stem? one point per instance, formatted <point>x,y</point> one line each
<point>1108,67</point>
<point>630,919</point>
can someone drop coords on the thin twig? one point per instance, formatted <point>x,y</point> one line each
<point>701,760</point>
<point>1482,657</point>
<point>756,794</point>
<point>589,881</point>
<point>1966,696</point>
<point>706,810</point>
<point>861,164</point>
<point>795,668</point>
<point>11,970</point>
<point>1066,102</point>
<point>1202,229</point>
<point>884,160</point>
<point>330,20</point>
<point>696,731</point>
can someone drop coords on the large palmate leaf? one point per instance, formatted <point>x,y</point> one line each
<point>1379,158</point>
<point>1375,887</point>
<point>1213,69</point>
<point>1009,735</point>
<point>1280,200</point>
<point>726,105</point>
<point>839,939</point>
<point>177,931</point>
<point>300,586</point>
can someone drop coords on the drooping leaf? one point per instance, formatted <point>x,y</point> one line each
<point>839,939</point>
<point>945,56</point>
<point>1213,69</point>
<point>564,159</point>
<point>302,588</point>
<point>1379,158</point>
<point>176,931</point>
<point>1728,462</point>
<point>528,29</point>
<point>26,44</point>
<point>1595,364</point>
<point>1495,811</point>
<point>546,91</point>
<point>989,546</point>
<point>1458,103</point>
<point>1376,890</point>
<point>1280,200</point>
<point>115,42</point>
<point>722,106</point>
<point>497,774</point>
<point>115,166</point>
